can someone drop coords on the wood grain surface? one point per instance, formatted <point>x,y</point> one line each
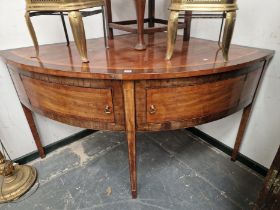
<point>194,58</point>
<point>75,102</point>
<point>191,102</point>
<point>123,89</point>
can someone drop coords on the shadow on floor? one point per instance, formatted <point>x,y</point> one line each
<point>176,170</point>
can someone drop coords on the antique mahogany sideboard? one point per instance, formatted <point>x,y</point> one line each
<point>126,90</point>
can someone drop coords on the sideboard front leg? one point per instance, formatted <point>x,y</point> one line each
<point>129,103</point>
<point>31,123</point>
<point>241,131</point>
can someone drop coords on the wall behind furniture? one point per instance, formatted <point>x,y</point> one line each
<point>14,130</point>
<point>257,25</point>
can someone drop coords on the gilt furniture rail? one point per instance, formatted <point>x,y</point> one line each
<point>126,90</point>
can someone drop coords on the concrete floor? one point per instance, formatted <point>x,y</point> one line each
<point>176,170</point>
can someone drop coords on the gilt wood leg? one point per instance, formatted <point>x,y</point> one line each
<point>78,31</point>
<point>129,101</point>
<point>228,32</point>
<point>32,32</point>
<point>140,11</point>
<point>171,33</point>
<point>241,131</point>
<point>31,123</point>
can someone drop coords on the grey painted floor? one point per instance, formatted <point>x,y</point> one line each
<point>176,170</point>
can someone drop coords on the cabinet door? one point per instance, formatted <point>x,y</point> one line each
<point>81,103</point>
<point>269,197</point>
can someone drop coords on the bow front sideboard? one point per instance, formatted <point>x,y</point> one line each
<point>126,90</point>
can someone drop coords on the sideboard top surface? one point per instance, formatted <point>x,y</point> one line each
<point>195,58</point>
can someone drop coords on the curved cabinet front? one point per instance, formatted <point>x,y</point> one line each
<point>125,90</point>
<point>74,102</point>
<point>187,102</point>
<point>93,104</point>
<point>164,104</point>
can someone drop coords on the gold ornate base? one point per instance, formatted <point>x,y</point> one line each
<point>73,8</point>
<point>18,183</point>
<point>229,7</point>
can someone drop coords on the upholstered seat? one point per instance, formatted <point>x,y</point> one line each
<point>73,8</point>
<point>227,6</point>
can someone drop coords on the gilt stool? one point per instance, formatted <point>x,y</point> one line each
<point>228,7</point>
<point>72,7</point>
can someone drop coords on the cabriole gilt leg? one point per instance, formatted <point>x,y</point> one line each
<point>32,32</point>
<point>78,31</point>
<point>228,32</point>
<point>128,91</point>
<point>172,33</point>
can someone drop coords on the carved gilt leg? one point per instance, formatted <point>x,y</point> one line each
<point>128,91</point>
<point>31,123</point>
<point>78,31</point>
<point>241,131</point>
<point>32,32</point>
<point>172,33</point>
<point>228,32</point>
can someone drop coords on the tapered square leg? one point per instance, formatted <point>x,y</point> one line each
<point>31,123</point>
<point>241,131</point>
<point>172,33</point>
<point>129,101</point>
<point>78,31</point>
<point>32,32</point>
<point>228,32</point>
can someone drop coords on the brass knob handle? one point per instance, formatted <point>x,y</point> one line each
<point>107,110</point>
<point>153,109</point>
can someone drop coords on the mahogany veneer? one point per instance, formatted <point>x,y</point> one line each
<point>126,90</point>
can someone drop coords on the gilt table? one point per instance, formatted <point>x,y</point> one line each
<point>126,90</point>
